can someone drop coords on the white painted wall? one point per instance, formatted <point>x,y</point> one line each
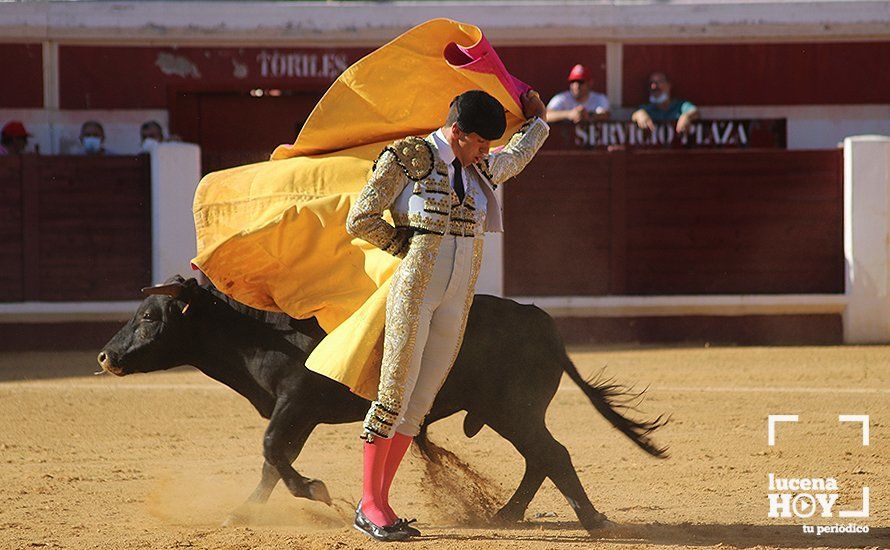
<point>175,173</point>
<point>866,238</point>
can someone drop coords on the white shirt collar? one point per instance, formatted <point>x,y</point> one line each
<point>445,151</point>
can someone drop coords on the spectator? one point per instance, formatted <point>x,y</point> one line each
<point>579,103</point>
<point>13,138</point>
<point>662,107</point>
<point>151,135</point>
<point>92,139</point>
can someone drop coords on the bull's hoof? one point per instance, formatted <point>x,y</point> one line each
<point>597,523</point>
<point>236,519</point>
<point>318,491</point>
<point>506,516</point>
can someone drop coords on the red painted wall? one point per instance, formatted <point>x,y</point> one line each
<point>118,77</point>
<point>762,74</point>
<point>22,68</point>
<point>546,68</point>
<point>114,77</point>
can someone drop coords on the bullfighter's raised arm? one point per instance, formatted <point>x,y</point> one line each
<point>519,151</point>
<point>522,146</point>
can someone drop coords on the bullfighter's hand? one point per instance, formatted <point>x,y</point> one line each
<point>532,105</point>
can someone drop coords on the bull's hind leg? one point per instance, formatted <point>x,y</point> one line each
<point>515,508</point>
<point>523,441</point>
<point>562,472</point>
<point>545,457</point>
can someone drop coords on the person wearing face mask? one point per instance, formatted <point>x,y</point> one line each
<point>92,139</point>
<point>579,103</point>
<point>151,134</point>
<point>440,192</point>
<point>662,107</point>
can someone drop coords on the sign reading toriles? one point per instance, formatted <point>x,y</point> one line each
<point>290,64</point>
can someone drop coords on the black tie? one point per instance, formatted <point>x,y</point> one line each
<point>458,180</point>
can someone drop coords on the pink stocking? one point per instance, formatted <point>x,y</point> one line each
<point>400,444</point>
<point>374,467</point>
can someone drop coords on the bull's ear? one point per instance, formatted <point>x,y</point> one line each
<point>174,290</point>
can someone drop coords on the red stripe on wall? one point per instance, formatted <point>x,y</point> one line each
<point>762,74</point>
<point>22,68</point>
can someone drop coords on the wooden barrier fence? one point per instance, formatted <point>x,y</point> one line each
<point>74,228</point>
<point>668,223</point>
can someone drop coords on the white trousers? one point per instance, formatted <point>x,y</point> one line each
<point>440,329</point>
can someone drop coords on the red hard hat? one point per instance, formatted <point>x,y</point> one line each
<point>14,129</point>
<point>579,72</point>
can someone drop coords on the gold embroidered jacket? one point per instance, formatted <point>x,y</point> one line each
<point>411,181</point>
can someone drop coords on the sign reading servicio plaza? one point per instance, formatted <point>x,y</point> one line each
<point>748,133</point>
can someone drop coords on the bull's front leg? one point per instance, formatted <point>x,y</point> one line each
<point>270,478</point>
<point>288,429</point>
<point>285,436</point>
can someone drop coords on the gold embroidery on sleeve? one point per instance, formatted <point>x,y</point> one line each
<point>499,167</point>
<point>365,219</point>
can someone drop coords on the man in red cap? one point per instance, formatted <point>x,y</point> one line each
<point>579,103</point>
<point>13,138</point>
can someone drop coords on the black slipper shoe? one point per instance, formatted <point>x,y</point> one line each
<point>404,525</point>
<point>383,534</point>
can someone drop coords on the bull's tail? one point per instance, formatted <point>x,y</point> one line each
<point>611,400</point>
<point>424,444</point>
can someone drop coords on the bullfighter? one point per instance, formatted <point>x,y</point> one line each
<point>440,193</point>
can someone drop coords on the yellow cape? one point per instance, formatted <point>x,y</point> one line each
<point>272,235</point>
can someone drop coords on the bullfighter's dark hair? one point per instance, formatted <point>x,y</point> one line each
<point>479,112</point>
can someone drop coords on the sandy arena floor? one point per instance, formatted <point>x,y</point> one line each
<point>158,460</point>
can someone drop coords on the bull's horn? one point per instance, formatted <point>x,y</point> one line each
<point>174,290</point>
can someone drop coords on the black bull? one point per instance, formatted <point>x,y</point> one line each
<point>506,374</point>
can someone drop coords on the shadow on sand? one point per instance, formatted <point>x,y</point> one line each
<point>25,366</point>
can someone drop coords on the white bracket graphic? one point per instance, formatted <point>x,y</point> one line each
<point>862,513</point>
<point>771,425</point>
<point>863,418</point>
